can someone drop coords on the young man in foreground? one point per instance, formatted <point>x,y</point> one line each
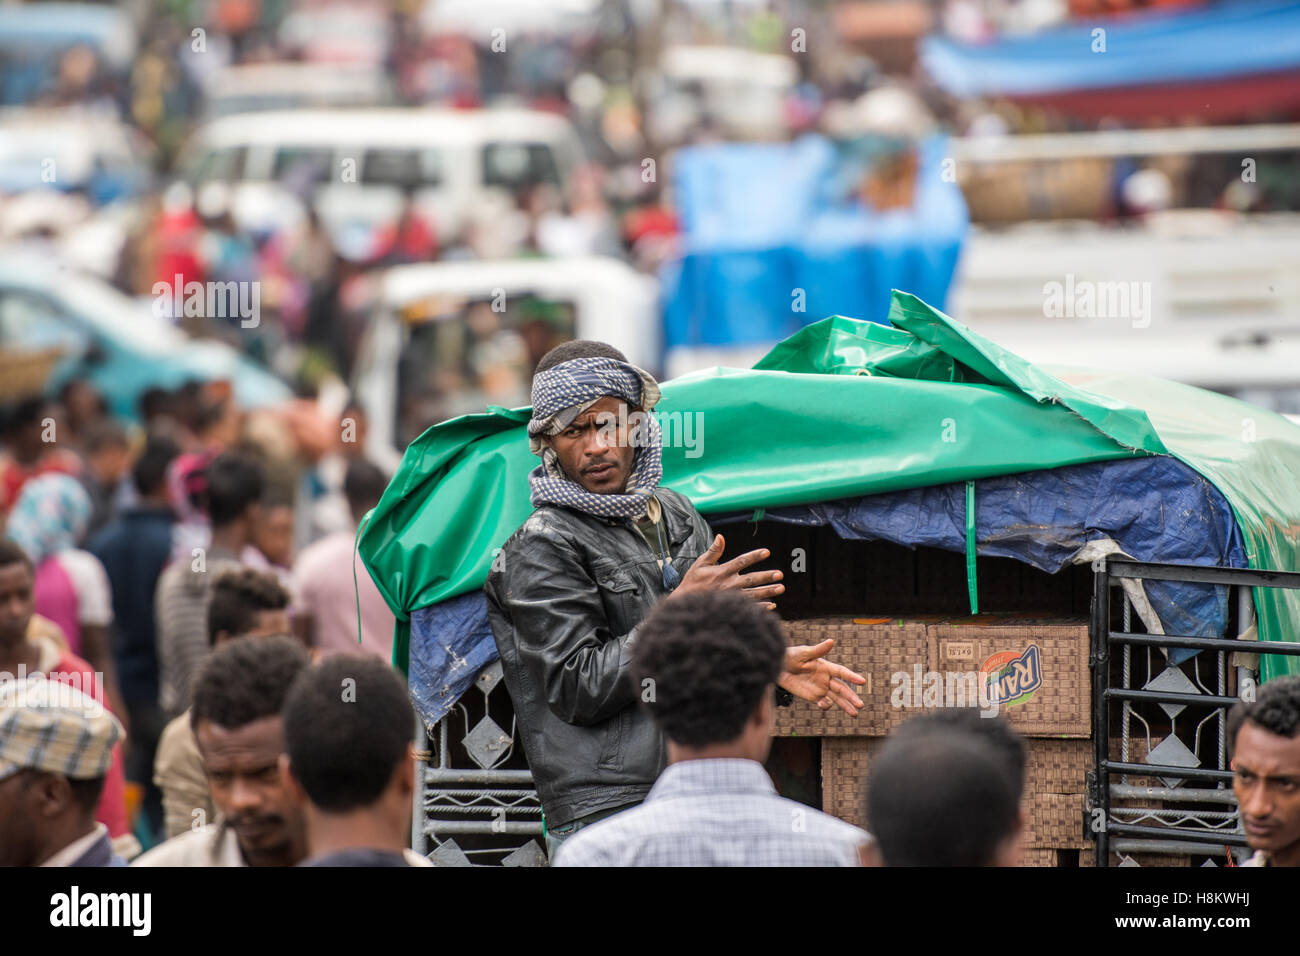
<point>348,728</point>
<point>708,665</point>
<point>946,790</point>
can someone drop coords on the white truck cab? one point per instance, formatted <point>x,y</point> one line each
<point>451,338</point>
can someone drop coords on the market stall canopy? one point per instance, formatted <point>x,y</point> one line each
<point>1225,61</point>
<point>754,272</point>
<point>845,409</point>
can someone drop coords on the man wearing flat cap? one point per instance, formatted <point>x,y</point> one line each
<point>56,745</point>
<point>603,546</point>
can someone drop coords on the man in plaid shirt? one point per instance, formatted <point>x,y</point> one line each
<point>707,664</point>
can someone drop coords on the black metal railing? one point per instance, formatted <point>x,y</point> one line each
<point>1189,832</point>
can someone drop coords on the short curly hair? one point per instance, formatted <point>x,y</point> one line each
<point>238,596</point>
<point>1276,708</point>
<point>578,348</point>
<point>709,657</point>
<point>244,681</point>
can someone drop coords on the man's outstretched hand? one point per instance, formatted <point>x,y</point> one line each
<point>806,674</point>
<point>809,676</point>
<point>706,574</point>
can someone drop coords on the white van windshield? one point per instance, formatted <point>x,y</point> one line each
<point>221,165</point>
<point>463,354</point>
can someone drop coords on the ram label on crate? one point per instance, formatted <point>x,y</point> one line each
<point>1012,678</point>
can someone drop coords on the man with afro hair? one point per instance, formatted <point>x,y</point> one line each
<point>707,665</point>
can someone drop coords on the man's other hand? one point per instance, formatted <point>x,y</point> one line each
<point>707,575</point>
<point>809,676</point>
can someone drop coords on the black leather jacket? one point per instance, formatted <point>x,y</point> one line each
<point>564,598</point>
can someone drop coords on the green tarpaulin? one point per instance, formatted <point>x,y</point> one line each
<point>845,408</point>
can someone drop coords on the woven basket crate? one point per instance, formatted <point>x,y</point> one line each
<point>23,374</point>
<point>844,776</point>
<point>1014,191</point>
<point>1061,706</point>
<point>1053,820</point>
<point>877,650</point>
<point>1057,766</point>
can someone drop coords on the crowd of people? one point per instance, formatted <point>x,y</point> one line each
<point>272,725</point>
<point>316,297</point>
<point>130,555</point>
<point>312,764</point>
<point>316,279</point>
<point>187,688</point>
<point>195,665</point>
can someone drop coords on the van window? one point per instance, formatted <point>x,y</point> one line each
<point>220,165</point>
<point>407,168</point>
<point>309,163</point>
<point>463,355</point>
<point>512,165</point>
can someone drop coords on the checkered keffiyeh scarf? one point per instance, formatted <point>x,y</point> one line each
<point>561,394</point>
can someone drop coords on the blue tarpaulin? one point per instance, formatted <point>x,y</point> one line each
<point>1155,508</point>
<point>770,240</point>
<point>1221,41</point>
<point>450,643</point>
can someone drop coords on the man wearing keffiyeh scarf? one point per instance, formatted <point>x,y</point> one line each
<point>567,592</point>
<point>607,483</point>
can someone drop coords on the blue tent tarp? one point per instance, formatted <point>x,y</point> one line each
<point>1221,41</point>
<point>769,241</point>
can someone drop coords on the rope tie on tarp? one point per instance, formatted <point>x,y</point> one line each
<point>972,586</point>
